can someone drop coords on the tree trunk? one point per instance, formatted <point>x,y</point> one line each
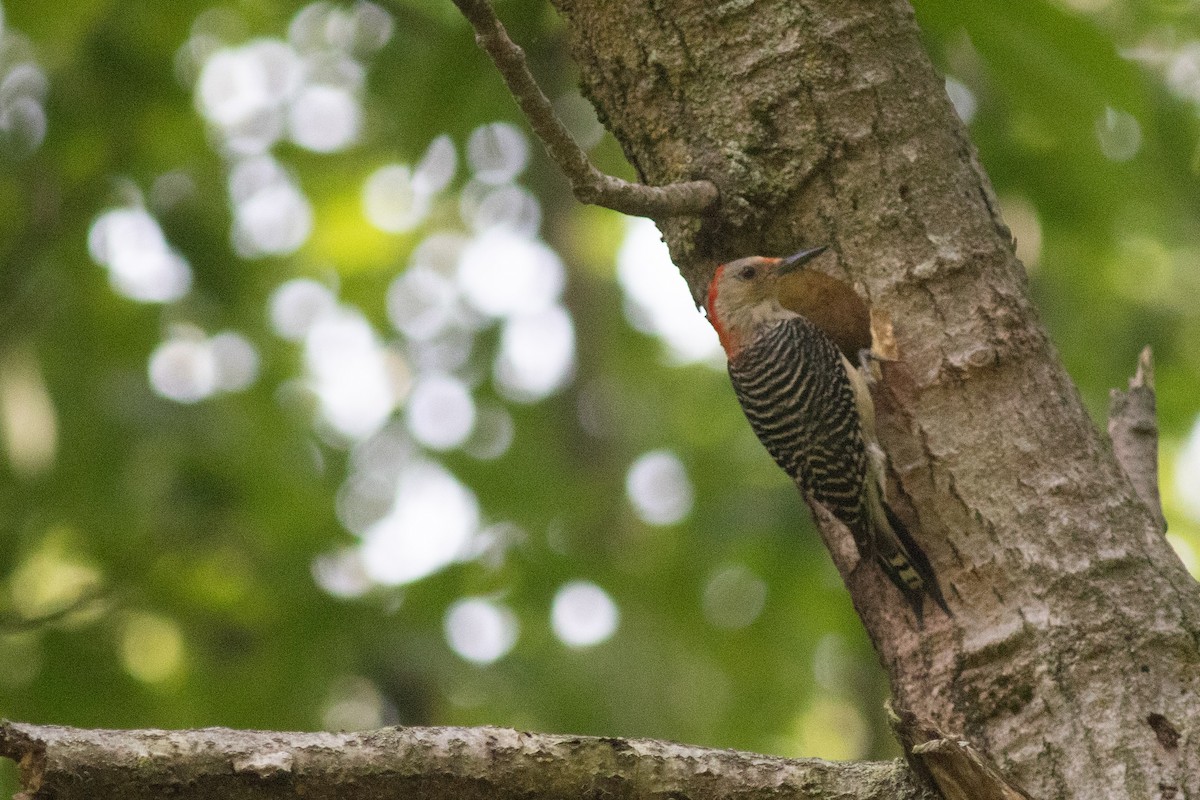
<point>1072,655</point>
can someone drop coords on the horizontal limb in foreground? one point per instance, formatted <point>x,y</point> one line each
<point>425,763</point>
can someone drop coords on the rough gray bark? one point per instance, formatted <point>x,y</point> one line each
<point>426,763</point>
<point>1073,652</point>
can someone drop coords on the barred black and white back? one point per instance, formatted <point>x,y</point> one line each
<point>794,387</point>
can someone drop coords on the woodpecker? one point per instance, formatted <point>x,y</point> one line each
<point>810,407</point>
<point>829,304</point>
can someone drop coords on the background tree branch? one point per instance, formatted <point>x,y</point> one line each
<point>429,763</point>
<point>681,198</point>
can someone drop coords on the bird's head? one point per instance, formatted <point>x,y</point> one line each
<point>744,295</point>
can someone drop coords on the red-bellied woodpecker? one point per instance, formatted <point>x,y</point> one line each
<point>809,405</point>
<point>829,304</point>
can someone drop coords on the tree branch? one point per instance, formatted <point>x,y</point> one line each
<point>591,186</point>
<point>1133,429</point>
<point>426,763</point>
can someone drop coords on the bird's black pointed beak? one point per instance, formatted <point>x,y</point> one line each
<point>798,260</point>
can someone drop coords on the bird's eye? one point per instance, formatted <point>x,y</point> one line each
<point>746,273</point>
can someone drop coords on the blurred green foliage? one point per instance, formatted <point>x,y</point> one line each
<point>180,538</point>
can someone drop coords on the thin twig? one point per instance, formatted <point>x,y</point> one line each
<point>590,185</point>
<point>1133,429</point>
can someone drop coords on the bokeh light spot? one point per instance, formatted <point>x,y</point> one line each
<point>324,119</point>
<point>350,372</point>
<point>421,303</point>
<point>297,305</point>
<point>1023,220</point>
<point>962,98</point>
<point>392,202</point>
<point>511,207</point>
<point>28,421</point>
<point>436,168</point>
<point>502,273</point>
<point>23,80</point>
<point>480,630</point>
<point>493,434</point>
<point>189,367</point>
<point>834,664</point>
<point>170,189</point>
<point>439,252</point>
<point>22,126</point>
<point>236,360</point>
<point>1119,135</point>
<point>363,499</point>
<point>658,487</point>
<point>371,26</point>
<point>734,597</point>
<point>657,298</point>
<point>430,524</point>
<point>232,88</point>
<point>183,369</point>
<point>152,647</point>
<point>1187,473</point>
<point>141,265</point>
<point>51,577</point>
<point>1183,72</point>
<point>497,152</point>
<point>309,26</point>
<point>1186,552</point>
<point>356,704</point>
<point>447,352</point>
<point>582,614</point>
<point>440,412</point>
<point>537,354</point>
<point>579,116</point>
<point>832,728</point>
<point>275,219</point>
<point>23,89</point>
<point>341,574</point>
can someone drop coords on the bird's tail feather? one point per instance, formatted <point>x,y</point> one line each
<point>904,562</point>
